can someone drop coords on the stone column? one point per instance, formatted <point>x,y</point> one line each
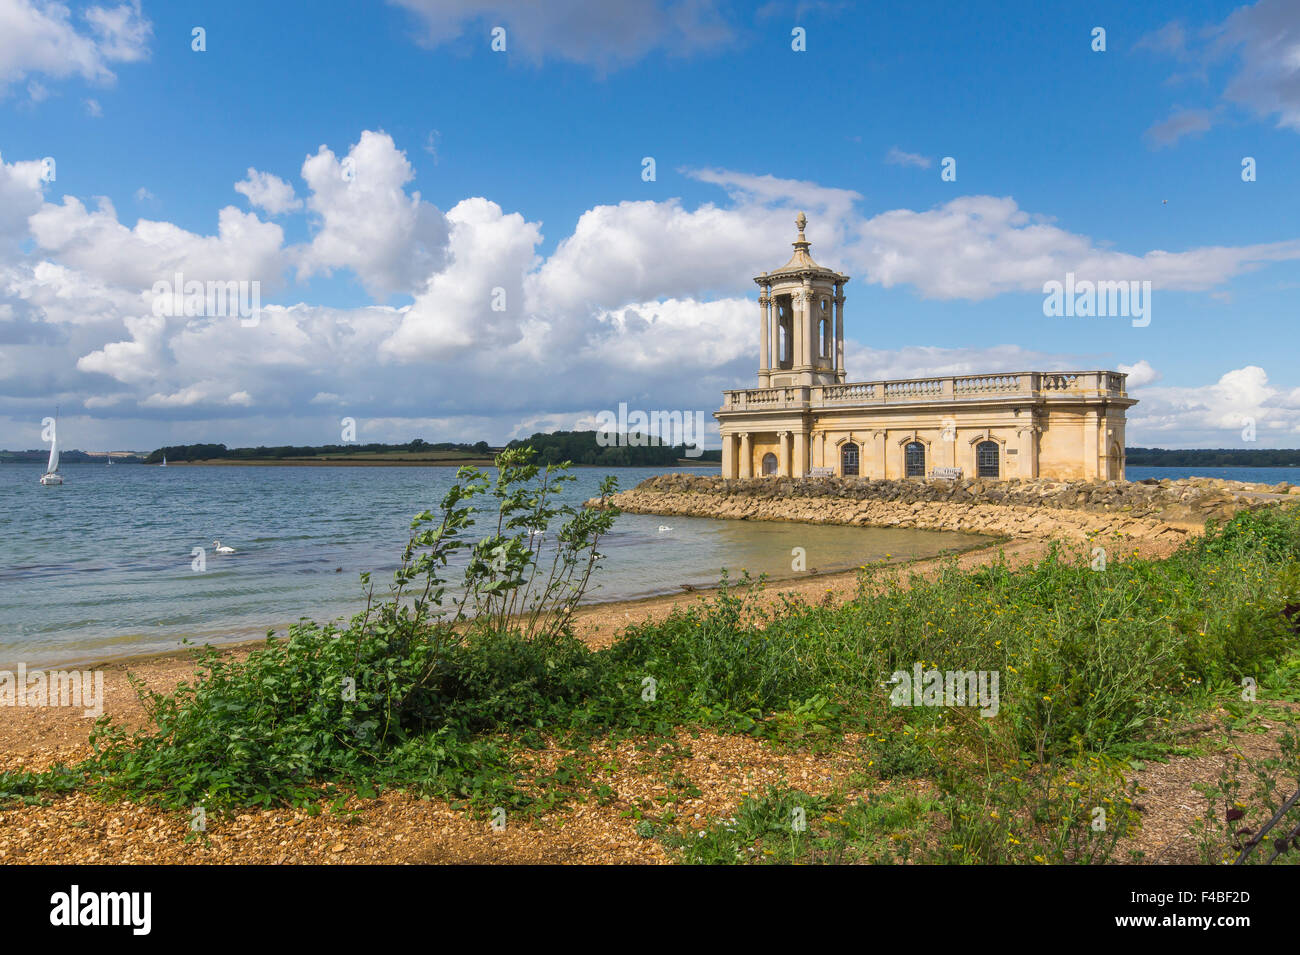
<point>1027,452</point>
<point>746,456</point>
<point>948,442</point>
<point>764,349</point>
<point>774,328</point>
<point>774,321</point>
<point>800,468</point>
<point>794,330</point>
<point>728,455</point>
<point>1090,435</point>
<point>879,464</point>
<point>1118,438</point>
<point>783,453</point>
<point>809,325</point>
<point>839,331</point>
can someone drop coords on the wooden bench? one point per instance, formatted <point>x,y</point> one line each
<point>946,474</point>
<point>821,472</point>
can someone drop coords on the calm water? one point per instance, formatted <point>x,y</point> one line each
<point>1258,475</point>
<point>100,566</point>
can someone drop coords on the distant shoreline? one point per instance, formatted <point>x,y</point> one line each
<point>328,463</point>
<point>345,463</point>
<point>468,462</point>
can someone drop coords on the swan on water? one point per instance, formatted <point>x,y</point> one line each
<point>222,549</point>
<point>664,528</point>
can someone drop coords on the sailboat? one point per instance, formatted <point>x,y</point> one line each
<point>164,464</point>
<point>52,475</point>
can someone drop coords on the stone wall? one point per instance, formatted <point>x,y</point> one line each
<point>1025,509</point>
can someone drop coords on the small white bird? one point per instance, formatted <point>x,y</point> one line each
<point>221,549</point>
<point>664,528</point>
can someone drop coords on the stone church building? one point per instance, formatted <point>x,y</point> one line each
<point>804,418</point>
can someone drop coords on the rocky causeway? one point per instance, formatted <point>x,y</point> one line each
<point>1073,510</point>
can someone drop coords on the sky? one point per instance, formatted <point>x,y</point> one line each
<point>459,242</point>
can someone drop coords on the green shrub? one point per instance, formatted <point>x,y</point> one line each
<point>400,695</point>
<point>1272,531</point>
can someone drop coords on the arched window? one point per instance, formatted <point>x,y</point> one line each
<point>849,460</point>
<point>914,459</point>
<point>769,463</point>
<point>785,334</point>
<point>986,460</point>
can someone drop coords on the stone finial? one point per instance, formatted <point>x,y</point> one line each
<point>801,246</point>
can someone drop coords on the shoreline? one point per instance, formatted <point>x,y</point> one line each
<point>400,826</point>
<point>35,738</point>
<point>1161,514</point>
<point>1002,513</point>
<point>793,582</point>
<point>344,463</point>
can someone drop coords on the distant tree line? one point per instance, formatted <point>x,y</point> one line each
<point>1213,457</point>
<point>581,447</point>
<point>629,450</point>
<point>70,456</point>
<point>214,452</point>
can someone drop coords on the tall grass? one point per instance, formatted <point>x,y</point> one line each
<point>1097,657</point>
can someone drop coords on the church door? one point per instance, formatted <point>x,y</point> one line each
<point>914,459</point>
<point>986,460</point>
<point>849,460</point>
<point>769,464</point>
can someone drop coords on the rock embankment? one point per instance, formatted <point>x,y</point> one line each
<point>1025,509</point>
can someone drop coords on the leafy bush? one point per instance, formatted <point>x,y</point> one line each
<point>398,695</point>
<point>1272,531</point>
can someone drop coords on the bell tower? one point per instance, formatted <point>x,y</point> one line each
<point>801,321</point>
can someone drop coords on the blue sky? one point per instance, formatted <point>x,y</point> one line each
<point>522,170</point>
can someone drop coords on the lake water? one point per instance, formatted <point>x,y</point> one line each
<point>1255,475</point>
<point>101,566</point>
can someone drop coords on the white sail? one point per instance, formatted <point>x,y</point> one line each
<point>53,466</point>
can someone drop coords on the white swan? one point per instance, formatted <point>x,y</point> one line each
<point>664,528</point>
<point>221,549</point>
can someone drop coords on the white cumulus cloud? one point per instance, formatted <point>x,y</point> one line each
<point>268,192</point>
<point>42,37</point>
<point>367,222</point>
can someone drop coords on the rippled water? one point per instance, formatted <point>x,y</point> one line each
<point>1255,475</point>
<point>101,566</point>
